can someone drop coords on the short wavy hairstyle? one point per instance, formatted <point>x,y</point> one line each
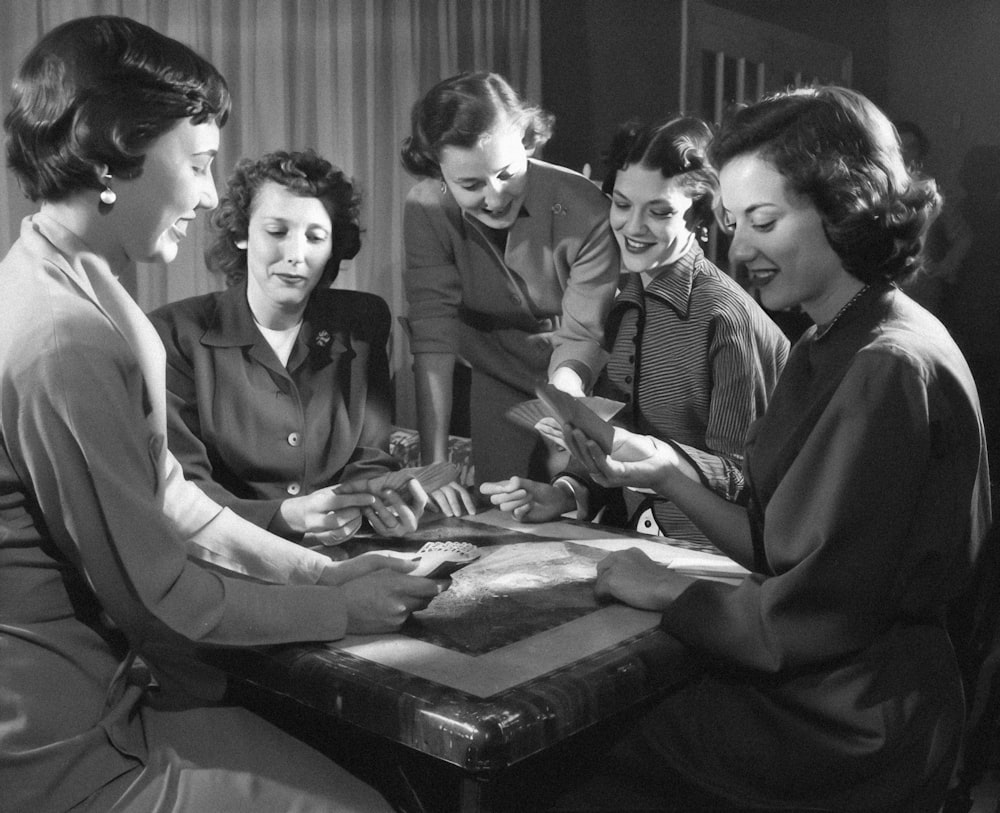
<point>457,111</point>
<point>98,91</point>
<point>836,147</point>
<point>677,148</point>
<point>303,173</point>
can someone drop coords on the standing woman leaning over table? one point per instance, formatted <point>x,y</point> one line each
<point>829,680</point>
<point>113,128</point>
<point>510,265</point>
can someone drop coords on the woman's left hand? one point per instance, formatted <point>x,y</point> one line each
<point>635,460</point>
<point>630,576</point>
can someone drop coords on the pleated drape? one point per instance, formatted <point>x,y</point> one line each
<point>337,75</point>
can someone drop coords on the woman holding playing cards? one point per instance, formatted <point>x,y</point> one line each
<point>691,354</point>
<point>828,678</point>
<point>510,267</point>
<point>278,387</point>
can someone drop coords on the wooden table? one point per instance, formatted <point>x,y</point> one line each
<point>514,659</point>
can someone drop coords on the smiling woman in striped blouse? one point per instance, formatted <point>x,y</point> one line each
<point>692,354</point>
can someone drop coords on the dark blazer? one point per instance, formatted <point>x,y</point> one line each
<point>252,433</point>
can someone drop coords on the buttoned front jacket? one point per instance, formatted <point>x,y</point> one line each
<point>253,432</point>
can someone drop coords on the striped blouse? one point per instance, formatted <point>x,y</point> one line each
<point>695,359</point>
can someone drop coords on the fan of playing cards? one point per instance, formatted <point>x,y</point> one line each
<point>530,413</point>
<point>591,414</point>
<point>438,559</point>
<point>431,477</point>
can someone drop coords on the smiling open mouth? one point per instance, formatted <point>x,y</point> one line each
<point>498,212</point>
<point>761,276</point>
<point>636,247</point>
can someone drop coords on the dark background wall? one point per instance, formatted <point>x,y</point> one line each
<point>604,63</point>
<point>936,62</point>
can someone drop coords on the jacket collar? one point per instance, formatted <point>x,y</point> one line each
<point>232,325</point>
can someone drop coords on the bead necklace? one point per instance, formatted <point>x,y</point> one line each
<point>823,330</point>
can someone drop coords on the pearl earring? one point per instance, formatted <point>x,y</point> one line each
<point>108,196</point>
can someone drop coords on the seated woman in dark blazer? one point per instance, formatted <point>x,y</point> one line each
<point>278,387</point>
<point>829,679</point>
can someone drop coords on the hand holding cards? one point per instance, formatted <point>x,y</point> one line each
<point>574,412</point>
<point>436,560</point>
<point>530,413</point>
<point>431,477</point>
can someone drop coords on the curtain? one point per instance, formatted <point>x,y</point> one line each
<point>337,75</point>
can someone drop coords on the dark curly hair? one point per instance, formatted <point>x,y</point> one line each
<point>307,175</point>
<point>458,110</point>
<point>836,147</point>
<point>98,90</point>
<point>677,147</point>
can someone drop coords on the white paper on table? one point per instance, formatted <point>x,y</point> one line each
<point>683,560</point>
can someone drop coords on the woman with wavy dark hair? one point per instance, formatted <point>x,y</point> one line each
<point>691,354</point>
<point>113,128</point>
<point>509,266</point>
<point>829,680</point>
<point>278,387</point>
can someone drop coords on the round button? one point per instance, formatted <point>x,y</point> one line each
<point>628,379</point>
<point>294,439</point>
<point>646,523</point>
<point>293,488</point>
<point>515,299</point>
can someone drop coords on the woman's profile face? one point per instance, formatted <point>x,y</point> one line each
<point>153,212</point>
<point>648,218</point>
<point>489,180</point>
<point>289,242</point>
<point>778,236</point>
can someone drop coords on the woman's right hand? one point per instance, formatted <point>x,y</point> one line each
<point>379,595</point>
<point>453,500</point>
<point>529,500</point>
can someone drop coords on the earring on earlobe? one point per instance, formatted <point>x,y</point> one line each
<point>108,196</point>
<point>703,234</point>
<point>444,188</point>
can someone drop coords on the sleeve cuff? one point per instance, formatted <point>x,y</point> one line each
<point>580,494</point>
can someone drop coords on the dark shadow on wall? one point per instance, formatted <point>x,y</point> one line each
<point>971,306</point>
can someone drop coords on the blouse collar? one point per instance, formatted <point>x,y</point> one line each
<point>673,285</point>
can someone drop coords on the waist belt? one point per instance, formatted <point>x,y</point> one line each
<point>491,321</point>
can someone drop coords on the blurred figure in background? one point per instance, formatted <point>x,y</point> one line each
<point>949,239</point>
